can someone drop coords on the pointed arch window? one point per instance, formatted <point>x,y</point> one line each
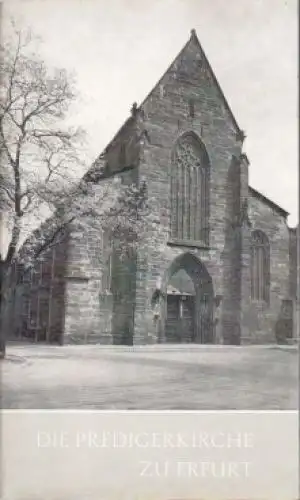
<point>190,191</point>
<point>260,267</point>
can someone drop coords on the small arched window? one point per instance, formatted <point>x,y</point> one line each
<point>191,108</point>
<point>107,257</point>
<point>260,267</point>
<point>190,191</point>
<point>122,155</point>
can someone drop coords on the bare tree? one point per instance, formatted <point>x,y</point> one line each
<point>36,148</point>
<point>40,162</point>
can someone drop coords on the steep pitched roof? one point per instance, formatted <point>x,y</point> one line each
<point>194,39</point>
<point>129,121</point>
<point>256,194</point>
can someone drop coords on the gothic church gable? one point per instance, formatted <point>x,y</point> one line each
<point>191,94</point>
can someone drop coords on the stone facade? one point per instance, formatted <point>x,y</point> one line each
<point>213,287</point>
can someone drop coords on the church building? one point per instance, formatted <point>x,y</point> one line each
<point>226,271</point>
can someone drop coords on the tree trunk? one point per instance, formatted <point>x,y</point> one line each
<point>2,335</point>
<point>3,275</point>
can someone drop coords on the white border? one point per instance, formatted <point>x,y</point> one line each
<point>145,412</point>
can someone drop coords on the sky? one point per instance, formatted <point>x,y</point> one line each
<point>120,48</point>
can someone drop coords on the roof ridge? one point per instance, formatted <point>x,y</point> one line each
<point>195,37</point>
<point>166,71</point>
<point>127,121</point>
<point>265,198</point>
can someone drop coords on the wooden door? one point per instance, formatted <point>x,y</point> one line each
<point>172,331</point>
<point>187,317</point>
<point>206,320</point>
<point>180,321</point>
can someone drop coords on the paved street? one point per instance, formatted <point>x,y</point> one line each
<point>150,378</point>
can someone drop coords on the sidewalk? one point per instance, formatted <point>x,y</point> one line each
<point>150,377</point>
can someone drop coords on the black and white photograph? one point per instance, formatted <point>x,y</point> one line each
<point>149,239</point>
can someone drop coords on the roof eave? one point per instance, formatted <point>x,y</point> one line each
<point>269,202</point>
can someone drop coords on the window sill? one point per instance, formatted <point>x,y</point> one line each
<point>260,303</point>
<point>77,278</point>
<point>184,243</point>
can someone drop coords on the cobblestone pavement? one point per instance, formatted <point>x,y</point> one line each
<point>150,378</point>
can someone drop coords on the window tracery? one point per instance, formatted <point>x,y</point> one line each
<point>190,191</point>
<point>260,267</point>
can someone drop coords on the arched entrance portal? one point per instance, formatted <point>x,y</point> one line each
<point>187,314</point>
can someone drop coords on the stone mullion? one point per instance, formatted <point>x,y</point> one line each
<point>183,220</point>
<point>205,207</point>
<point>203,194</point>
<point>252,273</point>
<point>260,273</point>
<point>178,171</point>
<point>199,204</point>
<point>183,200</point>
<point>263,273</point>
<point>178,204</point>
<point>173,217</point>
<point>174,201</point>
<point>180,201</point>
<point>192,202</point>
<point>257,280</point>
<point>260,269</point>
<point>267,273</point>
<point>196,205</point>
<point>103,261</point>
<point>255,273</point>
<point>188,202</point>
<point>185,203</point>
<point>171,204</point>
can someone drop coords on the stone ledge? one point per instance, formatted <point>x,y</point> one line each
<point>194,244</point>
<point>175,347</point>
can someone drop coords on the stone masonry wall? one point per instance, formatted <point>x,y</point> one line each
<point>94,314</point>
<point>166,117</point>
<point>260,318</point>
<point>293,274</point>
<point>294,283</point>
